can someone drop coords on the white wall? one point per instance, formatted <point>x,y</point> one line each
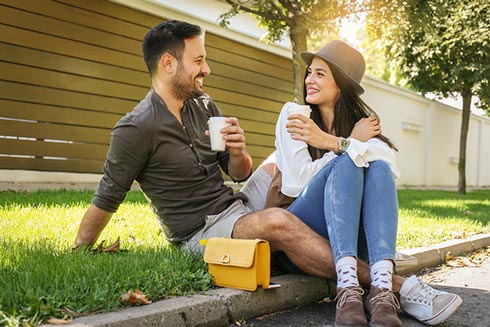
<point>427,133</point>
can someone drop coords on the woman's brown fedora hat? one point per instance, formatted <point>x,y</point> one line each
<point>348,60</point>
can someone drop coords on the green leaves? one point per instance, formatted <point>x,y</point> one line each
<point>441,46</point>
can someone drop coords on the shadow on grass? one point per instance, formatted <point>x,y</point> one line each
<point>60,197</point>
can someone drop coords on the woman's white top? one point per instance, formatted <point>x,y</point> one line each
<point>298,168</point>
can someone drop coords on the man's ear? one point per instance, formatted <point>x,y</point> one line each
<point>167,62</point>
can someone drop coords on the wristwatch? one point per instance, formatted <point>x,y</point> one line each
<point>343,145</point>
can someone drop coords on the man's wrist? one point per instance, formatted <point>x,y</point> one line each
<point>240,166</point>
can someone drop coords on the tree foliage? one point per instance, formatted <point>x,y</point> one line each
<point>440,46</point>
<point>300,19</point>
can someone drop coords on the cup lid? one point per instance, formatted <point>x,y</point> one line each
<point>216,119</point>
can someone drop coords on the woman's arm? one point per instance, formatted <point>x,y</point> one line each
<point>296,164</point>
<point>294,160</point>
<point>362,153</point>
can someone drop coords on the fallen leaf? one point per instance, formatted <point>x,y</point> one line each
<point>475,259</point>
<point>70,313</point>
<point>56,321</point>
<point>136,297</point>
<point>111,248</point>
<point>458,235</point>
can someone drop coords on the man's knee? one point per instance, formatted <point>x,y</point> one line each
<point>278,219</point>
<point>263,223</point>
<point>269,168</point>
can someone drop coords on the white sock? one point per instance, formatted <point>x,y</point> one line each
<point>381,274</point>
<point>346,269</point>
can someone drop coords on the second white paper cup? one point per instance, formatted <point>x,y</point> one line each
<point>294,108</point>
<point>215,124</point>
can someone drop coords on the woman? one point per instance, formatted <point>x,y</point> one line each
<point>342,171</point>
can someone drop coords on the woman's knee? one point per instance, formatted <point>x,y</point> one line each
<point>380,166</point>
<point>379,170</point>
<point>345,166</point>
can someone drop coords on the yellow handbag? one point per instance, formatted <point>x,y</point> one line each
<point>238,263</point>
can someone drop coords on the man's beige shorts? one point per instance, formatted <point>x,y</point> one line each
<point>221,225</point>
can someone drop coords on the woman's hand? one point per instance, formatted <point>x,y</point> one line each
<point>304,129</point>
<point>366,128</point>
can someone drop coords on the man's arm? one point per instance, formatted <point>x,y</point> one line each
<point>93,222</point>
<point>240,165</point>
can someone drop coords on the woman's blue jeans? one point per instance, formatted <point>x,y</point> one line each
<point>355,208</point>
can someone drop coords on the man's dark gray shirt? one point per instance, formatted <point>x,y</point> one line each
<point>172,162</point>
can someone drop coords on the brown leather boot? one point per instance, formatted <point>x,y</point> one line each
<point>350,311</point>
<point>382,306</point>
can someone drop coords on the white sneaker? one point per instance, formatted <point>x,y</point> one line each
<point>405,260</point>
<point>426,304</point>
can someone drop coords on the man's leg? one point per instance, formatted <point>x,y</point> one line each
<point>315,257</point>
<point>285,232</point>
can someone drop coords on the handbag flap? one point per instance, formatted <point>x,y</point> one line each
<point>230,252</point>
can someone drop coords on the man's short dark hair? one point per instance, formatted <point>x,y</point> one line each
<point>167,37</point>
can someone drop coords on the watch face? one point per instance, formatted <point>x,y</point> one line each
<point>343,144</point>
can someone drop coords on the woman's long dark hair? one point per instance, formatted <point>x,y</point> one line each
<point>349,109</point>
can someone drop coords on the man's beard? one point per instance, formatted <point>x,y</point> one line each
<point>183,90</point>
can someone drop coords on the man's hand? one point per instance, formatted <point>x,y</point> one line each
<point>366,128</point>
<point>234,136</point>
<point>93,222</point>
<point>240,166</point>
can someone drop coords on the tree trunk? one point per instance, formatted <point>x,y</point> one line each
<point>298,34</point>
<point>465,123</point>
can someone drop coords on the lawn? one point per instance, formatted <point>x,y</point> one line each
<point>41,278</point>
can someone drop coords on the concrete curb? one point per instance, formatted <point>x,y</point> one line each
<point>436,254</point>
<point>223,306</point>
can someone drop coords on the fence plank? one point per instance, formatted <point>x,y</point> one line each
<point>67,30</point>
<point>50,149</point>
<point>44,113</point>
<point>49,96</point>
<point>54,131</point>
<point>81,67</point>
<point>251,64</point>
<point>86,16</point>
<point>70,82</point>
<point>21,37</point>
<point>72,166</point>
<point>243,74</point>
<point>250,52</point>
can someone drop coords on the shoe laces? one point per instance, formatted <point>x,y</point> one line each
<point>386,297</point>
<point>349,294</point>
<point>423,293</point>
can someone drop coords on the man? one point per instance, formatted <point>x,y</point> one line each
<point>163,145</point>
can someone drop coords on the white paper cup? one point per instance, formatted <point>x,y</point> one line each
<point>215,124</point>
<point>294,108</point>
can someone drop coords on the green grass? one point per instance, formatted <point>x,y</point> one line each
<point>429,217</point>
<point>40,277</point>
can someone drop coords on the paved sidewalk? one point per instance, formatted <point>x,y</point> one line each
<point>222,306</point>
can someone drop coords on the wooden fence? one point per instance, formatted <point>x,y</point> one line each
<point>70,69</point>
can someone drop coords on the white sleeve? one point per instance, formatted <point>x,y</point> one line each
<point>362,153</point>
<point>294,160</point>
